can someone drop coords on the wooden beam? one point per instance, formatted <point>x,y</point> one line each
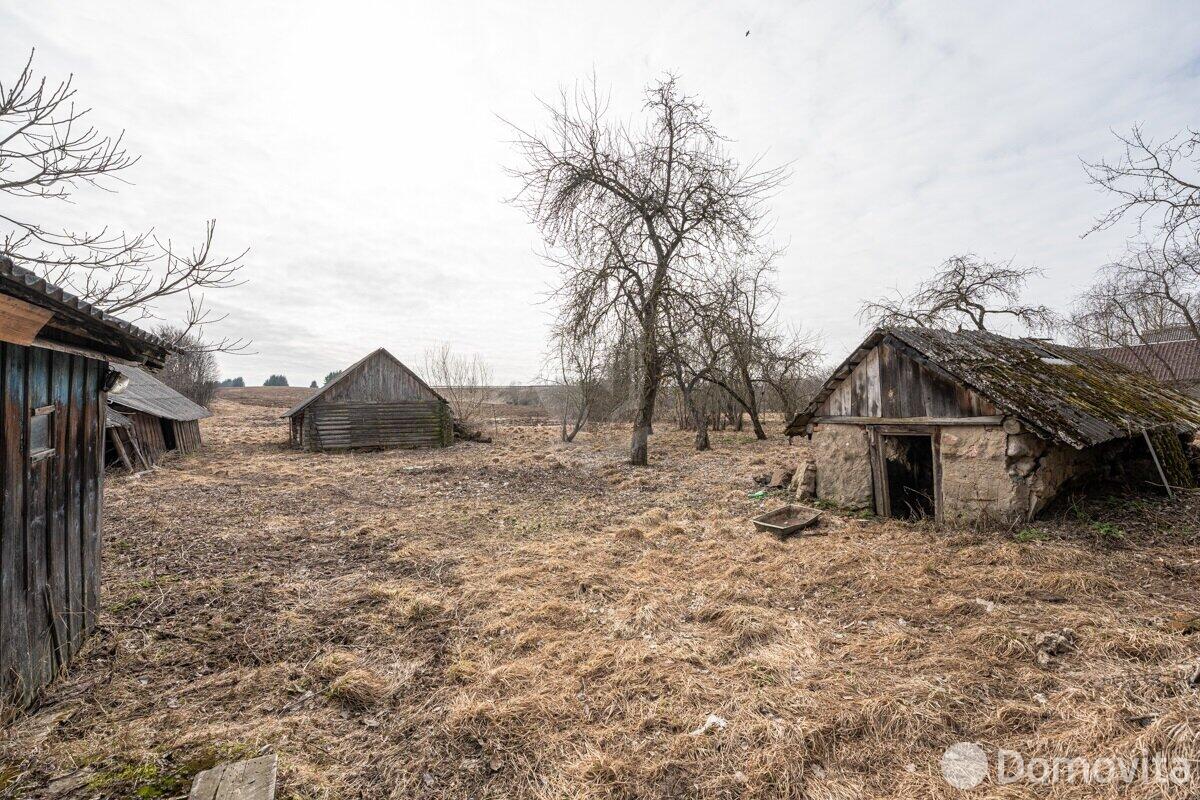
<point>907,420</point>
<point>20,322</point>
<point>120,448</point>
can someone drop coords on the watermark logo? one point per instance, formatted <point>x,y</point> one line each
<point>966,765</point>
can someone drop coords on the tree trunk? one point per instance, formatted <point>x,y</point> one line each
<point>580,421</point>
<point>696,418</point>
<point>639,450</point>
<point>700,420</point>
<point>752,406</point>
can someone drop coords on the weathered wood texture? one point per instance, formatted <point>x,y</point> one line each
<point>377,403</point>
<point>890,383</point>
<point>187,435</point>
<point>155,436</point>
<point>50,541</point>
<point>20,322</point>
<point>253,779</point>
<point>331,426</point>
<point>149,432</point>
<point>377,379</point>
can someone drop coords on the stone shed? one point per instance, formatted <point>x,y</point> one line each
<point>973,427</point>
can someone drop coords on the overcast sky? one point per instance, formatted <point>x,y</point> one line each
<point>356,149</point>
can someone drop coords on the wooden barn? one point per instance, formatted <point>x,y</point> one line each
<point>375,402</point>
<point>160,418</point>
<point>975,427</point>
<point>56,365</point>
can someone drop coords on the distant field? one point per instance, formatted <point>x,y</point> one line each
<point>493,412</point>
<point>281,396</point>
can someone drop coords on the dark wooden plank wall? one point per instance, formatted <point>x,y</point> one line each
<point>888,383</point>
<point>377,380</point>
<point>347,425</point>
<point>187,435</point>
<point>50,540</point>
<point>150,434</point>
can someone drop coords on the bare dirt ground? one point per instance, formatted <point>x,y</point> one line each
<point>528,619</point>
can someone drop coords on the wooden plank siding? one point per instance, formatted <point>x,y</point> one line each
<point>377,402</point>
<point>50,539</point>
<point>149,434</point>
<point>335,426</point>
<point>889,383</point>
<point>187,435</point>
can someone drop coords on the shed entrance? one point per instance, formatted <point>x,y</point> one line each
<point>908,475</point>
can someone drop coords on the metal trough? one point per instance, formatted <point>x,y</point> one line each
<point>787,520</point>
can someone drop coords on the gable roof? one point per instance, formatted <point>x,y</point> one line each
<point>149,395</point>
<point>348,371</point>
<point>1171,361</point>
<point>1067,395</point>
<point>78,323</point>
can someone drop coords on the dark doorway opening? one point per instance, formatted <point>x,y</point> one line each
<point>908,462</point>
<point>168,429</point>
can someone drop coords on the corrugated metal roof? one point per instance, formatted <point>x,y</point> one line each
<point>1066,394</point>
<point>350,369</point>
<point>56,299</point>
<point>1177,360</point>
<point>148,394</point>
<point>115,419</point>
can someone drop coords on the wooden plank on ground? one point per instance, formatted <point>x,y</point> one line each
<point>253,779</point>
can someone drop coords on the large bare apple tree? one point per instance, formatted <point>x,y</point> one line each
<point>635,213</point>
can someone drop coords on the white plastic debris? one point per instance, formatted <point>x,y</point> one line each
<point>713,722</point>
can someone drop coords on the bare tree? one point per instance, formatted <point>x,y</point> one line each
<point>697,349</point>
<point>48,151</point>
<point>965,291</point>
<point>1151,290</point>
<point>1158,183</point>
<point>191,369</point>
<point>635,214</point>
<point>790,364</point>
<point>462,379</point>
<point>578,364</point>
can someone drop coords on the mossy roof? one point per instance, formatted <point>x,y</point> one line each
<point>1064,394</point>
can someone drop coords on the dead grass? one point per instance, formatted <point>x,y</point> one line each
<point>535,620</point>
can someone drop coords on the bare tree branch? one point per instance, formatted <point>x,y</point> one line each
<point>637,215</point>
<point>965,291</point>
<point>49,152</point>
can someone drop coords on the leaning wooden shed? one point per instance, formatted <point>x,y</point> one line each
<point>375,402</point>
<point>56,353</point>
<point>972,426</point>
<point>162,418</point>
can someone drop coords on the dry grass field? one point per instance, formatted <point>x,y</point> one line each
<point>528,619</point>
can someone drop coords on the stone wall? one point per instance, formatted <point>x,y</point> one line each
<point>987,475</point>
<point>976,484</point>
<point>843,465</point>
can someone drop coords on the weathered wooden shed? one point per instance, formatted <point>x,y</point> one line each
<point>161,418</point>
<point>56,353</point>
<point>971,426</point>
<point>375,402</point>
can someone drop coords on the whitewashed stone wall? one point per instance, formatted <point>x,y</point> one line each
<point>987,475</point>
<point>843,465</point>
